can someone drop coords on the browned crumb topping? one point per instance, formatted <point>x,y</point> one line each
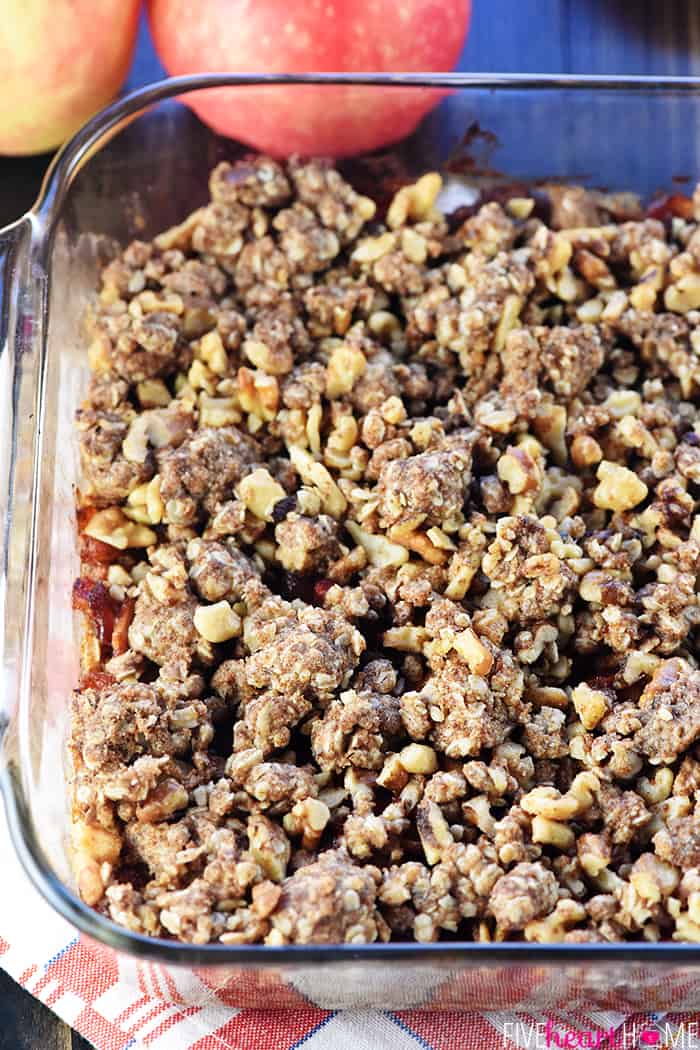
<point>389,570</point>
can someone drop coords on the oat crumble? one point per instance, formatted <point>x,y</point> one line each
<point>389,560</point>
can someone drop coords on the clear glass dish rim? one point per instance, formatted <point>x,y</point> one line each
<point>43,218</point>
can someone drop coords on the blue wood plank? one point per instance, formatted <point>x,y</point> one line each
<point>146,66</point>
<point>515,37</point>
<point>642,37</point>
<point>551,36</point>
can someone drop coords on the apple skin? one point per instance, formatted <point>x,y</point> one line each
<point>295,36</point>
<point>61,61</point>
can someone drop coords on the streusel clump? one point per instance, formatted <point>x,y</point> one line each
<point>390,548</point>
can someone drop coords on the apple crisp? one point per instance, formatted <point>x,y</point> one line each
<point>389,560</point>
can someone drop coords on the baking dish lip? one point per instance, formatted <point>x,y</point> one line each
<point>44,217</point>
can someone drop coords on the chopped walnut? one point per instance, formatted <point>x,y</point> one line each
<point>119,723</point>
<point>427,489</point>
<point>679,842</point>
<point>527,892</point>
<point>276,785</point>
<point>268,720</point>
<point>436,898</point>
<point>300,650</point>
<point>108,475</point>
<point>307,544</point>
<point>563,360</point>
<point>203,471</point>
<point>573,206</point>
<point>219,570</point>
<point>624,813</point>
<point>461,712</point>
<point>478,320</point>
<point>356,730</point>
<point>528,580</point>
<point>258,182</point>
<point>137,347</point>
<point>544,734</point>
<point>489,231</point>
<point>669,711</point>
<point>164,631</point>
<point>329,902</point>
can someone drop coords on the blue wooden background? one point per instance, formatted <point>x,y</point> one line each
<point>652,37</point>
<point>557,36</point>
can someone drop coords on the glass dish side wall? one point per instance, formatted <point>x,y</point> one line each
<point>146,178</point>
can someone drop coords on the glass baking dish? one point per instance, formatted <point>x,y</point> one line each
<point>139,167</point>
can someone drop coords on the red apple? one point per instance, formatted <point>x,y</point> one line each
<point>294,36</point>
<point>61,61</point>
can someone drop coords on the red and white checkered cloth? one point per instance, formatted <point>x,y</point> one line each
<point>126,1007</point>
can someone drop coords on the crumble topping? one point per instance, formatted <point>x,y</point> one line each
<point>389,557</point>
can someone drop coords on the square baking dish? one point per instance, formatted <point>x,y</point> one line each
<point>137,168</point>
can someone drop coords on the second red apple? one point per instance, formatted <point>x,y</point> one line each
<point>292,36</point>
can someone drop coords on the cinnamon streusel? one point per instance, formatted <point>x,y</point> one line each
<point>390,545</point>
